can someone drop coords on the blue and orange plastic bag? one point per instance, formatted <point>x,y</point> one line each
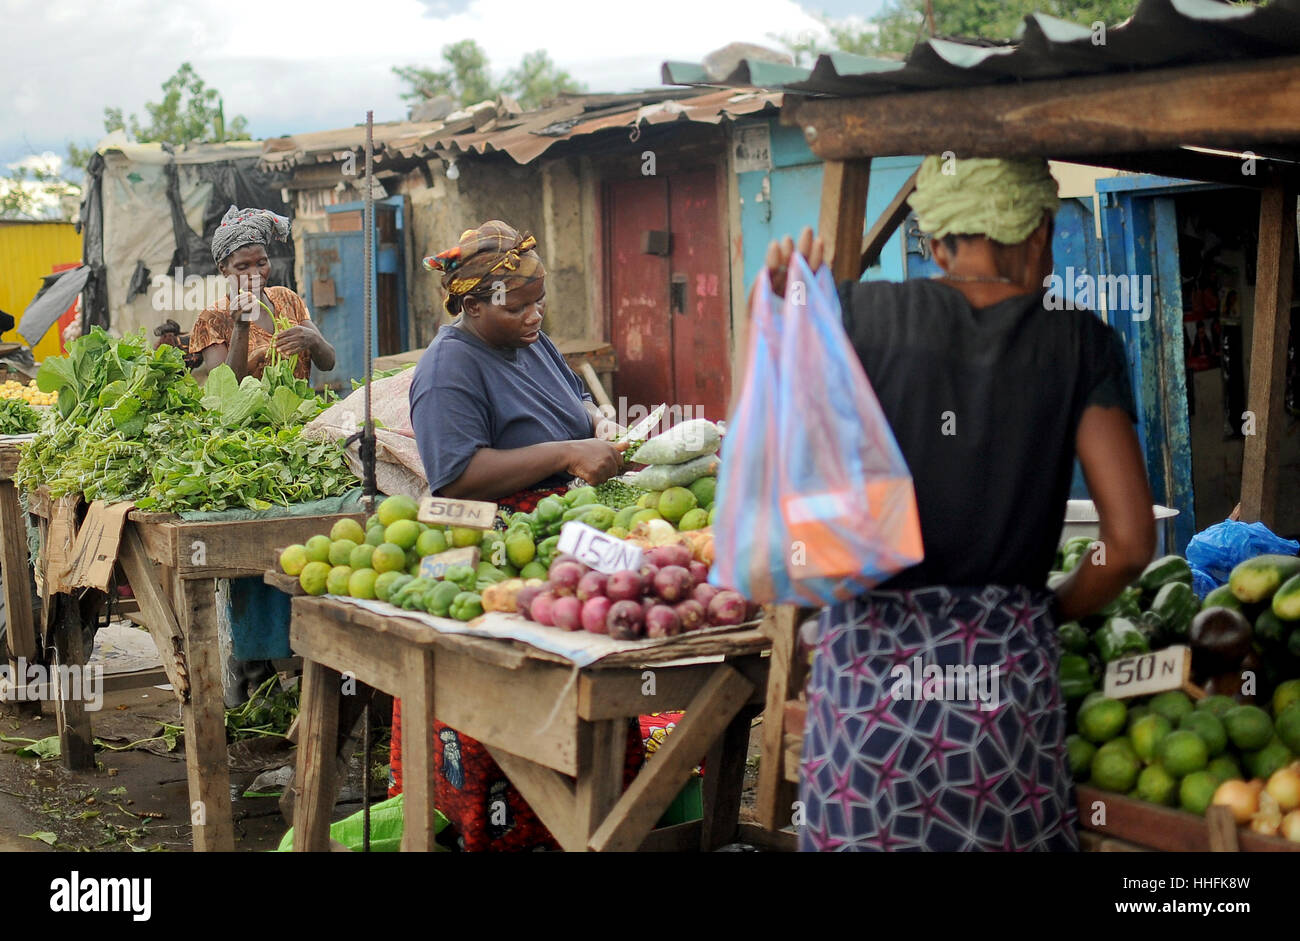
<point>815,501</point>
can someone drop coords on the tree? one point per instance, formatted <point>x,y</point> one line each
<point>537,80</point>
<point>189,111</point>
<point>36,189</point>
<point>468,80</point>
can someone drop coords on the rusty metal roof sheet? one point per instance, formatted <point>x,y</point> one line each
<point>1159,33</point>
<point>524,137</point>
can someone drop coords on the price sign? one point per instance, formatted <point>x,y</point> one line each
<point>602,552</point>
<point>1155,672</point>
<point>471,514</point>
<point>435,566</point>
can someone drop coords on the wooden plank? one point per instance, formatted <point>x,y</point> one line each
<point>775,797</point>
<point>159,540</point>
<point>1262,457</point>
<point>136,679</point>
<point>241,548</point>
<point>15,566</point>
<point>1222,827</point>
<point>843,211</point>
<point>376,660</point>
<point>1228,105</point>
<point>549,793</point>
<point>157,613</point>
<point>1162,828</point>
<point>612,694</point>
<point>724,779</point>
<point>772,841</point>
<point>76,739</point>
<point>887,224</point>
<point>204,717</point>
<point>679,838</point>
<point>645,801</point>
<point>315,769</point>
<point>418,693</point>
<point>603,754</point>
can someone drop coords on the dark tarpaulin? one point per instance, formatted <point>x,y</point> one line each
<point>94,303</point>
<point>56,295</point>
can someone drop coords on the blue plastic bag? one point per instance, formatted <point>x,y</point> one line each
<point>815,500</point>
<point>1216,550</point>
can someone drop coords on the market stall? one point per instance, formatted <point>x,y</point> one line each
<point>15,565</point>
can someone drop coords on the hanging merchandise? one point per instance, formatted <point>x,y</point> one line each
<point>816,504</point>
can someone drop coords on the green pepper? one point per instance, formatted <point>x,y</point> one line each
<point>1124,606</point>
<point>526,519</point>
<point>580,496</point>
<point>1153,628</point>
<point>487,572</point>
<point>461,575</point>
<point>441,597</point>
<point>550,508</point>
<point>1076,676</point>
<point>407,596</point>
<point>547,549</point>
<point>466,606</point>
<point>1074,639</point>
<point>1177,604</point>
<point>1119,637</point>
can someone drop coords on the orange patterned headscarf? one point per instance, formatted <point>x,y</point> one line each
<point>492,257</point>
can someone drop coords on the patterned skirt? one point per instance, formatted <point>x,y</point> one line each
<point>935,722</point>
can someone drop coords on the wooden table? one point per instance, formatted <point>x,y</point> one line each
<point>15,566</point>
<point>172,566</point>
<point>559,732</point>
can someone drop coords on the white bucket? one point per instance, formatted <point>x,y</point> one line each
<point>1081,520</point>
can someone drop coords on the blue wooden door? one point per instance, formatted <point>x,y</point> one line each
<point>333,288</point>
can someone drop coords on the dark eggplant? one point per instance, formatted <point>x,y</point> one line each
<point>1220,639</point>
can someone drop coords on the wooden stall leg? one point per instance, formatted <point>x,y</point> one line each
<point>600,776</point>
<point>76,739</point>
<point>724,779</point>
<point>775,793</point>
<point>417,755</point>
<point>843,212</point>
<point>316,771</point>
<point>206,761</point>
<point>14,566</point>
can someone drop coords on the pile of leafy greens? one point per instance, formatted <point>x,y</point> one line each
<point>136,426</point>
<point>17,417</point>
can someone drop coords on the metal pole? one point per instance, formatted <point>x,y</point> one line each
<point>368,435</point>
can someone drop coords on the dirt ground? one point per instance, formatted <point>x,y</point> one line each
<point>137,800</point>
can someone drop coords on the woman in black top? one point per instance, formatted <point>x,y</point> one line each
<point>935,718</point>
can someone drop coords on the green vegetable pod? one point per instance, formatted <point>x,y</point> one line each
<point>1286,600</point>
<point>1176,604</point>
<point>1076,676</point>
<point>1074,639</point>
<point>440,599</point>
<point>466,606</point>
<point>1256,579</point>
<point>1170,568</point>
<point>1119,637</point>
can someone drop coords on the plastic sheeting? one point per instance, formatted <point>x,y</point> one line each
<point>55,296</point>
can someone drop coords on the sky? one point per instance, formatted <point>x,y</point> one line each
<point>300,65</point>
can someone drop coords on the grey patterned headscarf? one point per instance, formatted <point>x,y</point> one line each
<point>240,227</point>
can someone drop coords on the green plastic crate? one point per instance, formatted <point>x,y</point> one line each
<point>688,805</point>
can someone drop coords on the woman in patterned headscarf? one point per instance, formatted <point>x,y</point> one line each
<point>265,314</point>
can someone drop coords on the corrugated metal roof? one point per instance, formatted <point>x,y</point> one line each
<point>524,137</point>
<point>1159,33</point>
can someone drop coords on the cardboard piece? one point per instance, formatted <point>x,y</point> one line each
<point>95,552</point>
<point>470,514</point>
<point>600,551</point>
<point>435,566</point>
<point>60,537</point>
<point>1150,673</point>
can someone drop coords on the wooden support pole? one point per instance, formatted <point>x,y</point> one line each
<point>14,568</point>
<point>1277,245</point>
<point>888,223</point>
<point>843,212</point>
<point>316,772</point>
<point>775,794</point>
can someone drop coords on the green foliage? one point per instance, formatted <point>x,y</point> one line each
<point>537,81</point>
<point>467,79</point>
<point>189,111</point>
<point>36,189</point>
<point>17,418</point>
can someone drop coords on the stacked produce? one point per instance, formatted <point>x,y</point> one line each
<point>18,418</point>
<point>1169,751</point>
<point>136,426</point>
<point>29,393</point>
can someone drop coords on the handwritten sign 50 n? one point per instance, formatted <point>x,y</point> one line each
<point>602,552</point>
<point>470,514</point>
<point>1155,672</point>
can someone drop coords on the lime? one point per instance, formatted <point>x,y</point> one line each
<point>341,551</point>
<point>388,558</point>
<point>431,542</point>
<point>704,489</point>
<point>713,512</point>
<point>1196,791</point>
<point>293,559</point>
<point>1173,705</point>
<point>362,583</point>
<point>1224,768</point>
<point>1135,713</point>
<point>1209,728</point>
<point>694,519</point>
<point>533,569</point>
<point>384,584</point>
<point>398,507</point>
<point>375,535</point>
<point>1217,706</point>
<point>1288,726</point>
<point>360,558</point>
<point>1101,720</point>
<point>1285,695</point>
<point>1080,752</point>
<point>1183,752</point>
<point>644,516</point>
<point>676,502</point>
<point>336,583</point>
<point>313,577</point>
<point>462,538</point>
<point>318,548</point>
<point>1124,744</point>
<point>1147,733</point>
<point>1093,697</point>
<point>618,532</point>
<point>648,501</point>
<point>1264,761</point>
<point>1248,727</point>
<point>403,533</point>
<point>1114,769</point>
<point>347,529</point>
<point>1157,786</point>
<point>372,521</point>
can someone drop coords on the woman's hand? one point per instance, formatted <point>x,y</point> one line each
<point>780,254</point>
<point>595,461</point>
<point>245,295</point>
<point>305,336</point>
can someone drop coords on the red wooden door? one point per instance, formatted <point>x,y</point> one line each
<point>698,283</point>
<point>639,328</point>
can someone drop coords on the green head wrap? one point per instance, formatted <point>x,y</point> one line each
<point>1002,199</point>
